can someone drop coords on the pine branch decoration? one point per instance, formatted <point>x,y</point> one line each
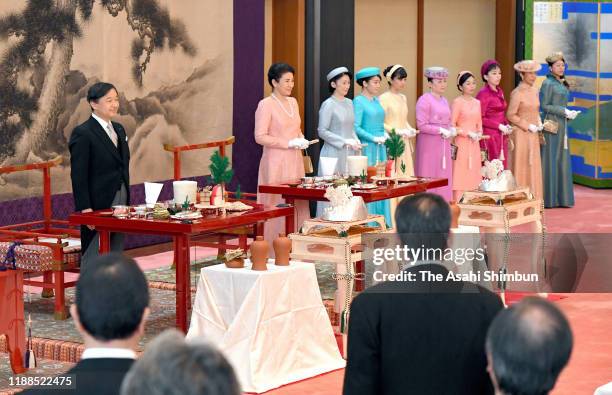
<point>219,169</point>
<point>395,145</point>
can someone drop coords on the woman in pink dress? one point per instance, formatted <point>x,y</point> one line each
<point>467,121</point>
<point>433,118</point>
<point>493,108</point>
<point>277,128</point>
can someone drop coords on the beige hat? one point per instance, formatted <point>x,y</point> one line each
<point>527,66</point>
<point>554,57</point>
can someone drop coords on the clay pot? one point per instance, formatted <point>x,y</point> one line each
<point>259,253</point>
<point>455,211</point>
<point>390,168</point>
<point>236,263</point>
<point>282,248</point>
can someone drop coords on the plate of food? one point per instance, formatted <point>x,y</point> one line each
<point>204,206</point>
<point>364,186</point>
<point>237,206</point>
<point>187,215</point>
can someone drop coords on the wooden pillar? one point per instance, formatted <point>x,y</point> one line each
<point>420,47</point>
<point>288,42</point>
<point>505,41</point>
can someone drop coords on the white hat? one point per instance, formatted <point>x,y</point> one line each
<point>335,72</point>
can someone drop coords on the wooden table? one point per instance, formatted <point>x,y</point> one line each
<point>180,233</point>
<point>291,194</point>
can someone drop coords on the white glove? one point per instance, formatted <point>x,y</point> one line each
<point>533,128</point>
<point>408,132</point>
<point>295,143</point>
<point>474,136</point>
<point>380,140</point>
<point>571,114</point>
<point>453,131</point>
<point>446,133</point>
<point>402,132</point>
<point>304,143</point>
<point>386,136</point>
<point>505,129</point>
<point>352,143</point>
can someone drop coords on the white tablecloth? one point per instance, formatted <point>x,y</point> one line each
<point>271,325</point>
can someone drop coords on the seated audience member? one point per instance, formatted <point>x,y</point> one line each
<point>421,336</point>
<point>527,346</point>
<point>171,366</point>
<point>112,299</point>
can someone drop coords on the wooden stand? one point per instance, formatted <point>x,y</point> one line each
<point>339,243</point>
<point>497,212</point>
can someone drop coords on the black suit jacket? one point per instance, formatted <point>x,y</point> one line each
<point>96,376</point>
<point>420,338</point>
<point>98,168</point>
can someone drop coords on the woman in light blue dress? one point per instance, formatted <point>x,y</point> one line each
<point>336,122</point>
<point>369,125</point>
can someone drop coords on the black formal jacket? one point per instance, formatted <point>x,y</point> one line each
<point>420,338</point>
<point>95,376</point>
<point>98,168</point>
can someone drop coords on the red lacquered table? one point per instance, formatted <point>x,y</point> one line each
<point>180,233</point>
<point>11,316</point>
<point>290,194</point>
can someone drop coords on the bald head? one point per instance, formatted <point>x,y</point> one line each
<point>528,345</point>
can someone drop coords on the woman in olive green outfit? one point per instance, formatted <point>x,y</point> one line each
<point>556,161</point>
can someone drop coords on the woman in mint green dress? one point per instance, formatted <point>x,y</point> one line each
<point>556,160</point>
<point>369,125</point>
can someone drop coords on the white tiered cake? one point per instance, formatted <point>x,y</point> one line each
<point>343,205</point>
<point>496,179</point>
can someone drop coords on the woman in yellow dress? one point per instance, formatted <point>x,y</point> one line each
<point>395,105</point>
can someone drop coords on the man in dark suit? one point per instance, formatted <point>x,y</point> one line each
<point>112,299</point>
<point>100,164</point>
<point>421,336</point>
<point>528,345</point>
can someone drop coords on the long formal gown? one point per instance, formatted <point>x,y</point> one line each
<point>396,117</point>
<point>523,110</point>
<point>369,123</point>
<point>555,155</point>
<point>433,153</point>
<point>274,127</point>
<point>466,167</point>
<point>336,125</point>
<point>493,108</point>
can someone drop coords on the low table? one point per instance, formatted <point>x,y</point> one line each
<point>271,325</point>
<point>180,232</point>
<point>291,194</point>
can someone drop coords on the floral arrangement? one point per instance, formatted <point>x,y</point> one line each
<point>339,196</point>
<point>492,169</point>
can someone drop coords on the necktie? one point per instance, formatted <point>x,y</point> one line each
<point>111,133</point>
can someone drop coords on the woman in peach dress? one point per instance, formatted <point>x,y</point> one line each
<point>277,129</point>
<point>524,113</point>
<point>467,120</point>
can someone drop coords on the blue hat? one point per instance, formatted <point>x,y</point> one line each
<point>367,72</point>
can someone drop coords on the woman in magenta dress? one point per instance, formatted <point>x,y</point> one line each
<point>433,116</point>
<point>493,108</point>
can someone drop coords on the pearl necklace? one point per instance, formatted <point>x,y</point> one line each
<point>290,114</point>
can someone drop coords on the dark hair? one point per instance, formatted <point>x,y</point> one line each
<point>336,78</point>
<point>423,219</point>
<point>400,73</point>
<point>367,79</point>
<point>489,68</point>
<point>562,78</point>
<point>462,80</point>
<point>172,366</point>
<point>99,90</point>
<point>429,79</point>
<point>111,296</point>
<point>277,70</point>
<point>529,344</point>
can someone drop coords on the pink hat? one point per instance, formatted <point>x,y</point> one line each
<point>486,65</point>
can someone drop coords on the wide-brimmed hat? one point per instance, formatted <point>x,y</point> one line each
<point>527,66</point>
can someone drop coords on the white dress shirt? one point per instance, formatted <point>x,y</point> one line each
<point>107,352</point>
